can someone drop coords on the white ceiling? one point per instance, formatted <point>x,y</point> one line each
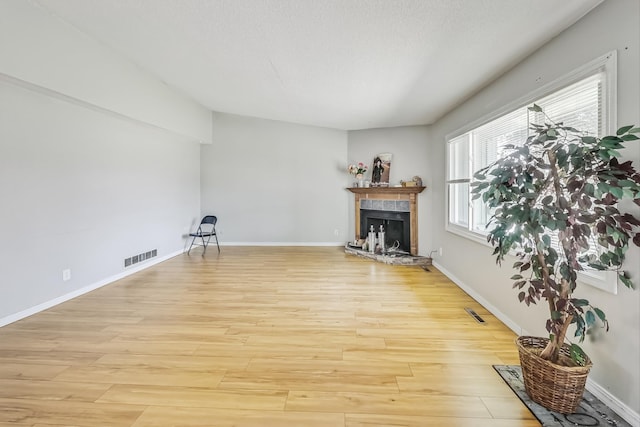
<point>344,64</point>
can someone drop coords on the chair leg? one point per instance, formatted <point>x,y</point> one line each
<point>204,244</point>
<point>191,245</point>
<point>215,234</point>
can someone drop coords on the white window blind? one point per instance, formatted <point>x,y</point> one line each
<point>490,140</point>
<point>578,105</point>
<point>458,180</point>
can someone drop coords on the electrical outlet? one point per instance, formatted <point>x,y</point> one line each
<point>336,232</point>
<point>440,251</point>
<point>66,274</point>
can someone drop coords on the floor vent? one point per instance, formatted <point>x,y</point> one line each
<point>128,262</point>
<point>474,315</point>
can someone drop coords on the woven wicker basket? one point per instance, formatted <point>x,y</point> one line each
<point>558,388</point>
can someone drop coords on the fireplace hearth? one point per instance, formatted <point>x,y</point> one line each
<point>391,258</point>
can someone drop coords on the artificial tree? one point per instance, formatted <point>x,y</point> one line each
<point>555,203</point>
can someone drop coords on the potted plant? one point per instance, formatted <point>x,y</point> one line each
<point>554,202</point>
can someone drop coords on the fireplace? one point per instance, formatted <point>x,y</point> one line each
<point>395,208</point>
<point>396,225</point>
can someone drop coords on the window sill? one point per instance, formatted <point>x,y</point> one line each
<point>606,281</point>
<point>466,233</point>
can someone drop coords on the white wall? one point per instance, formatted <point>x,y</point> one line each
<point>613,25</point>
<point>97,162</point>
<point>274,182</point>
<point>410,148</point>
<point>40,49</point>
<point>83,191</point>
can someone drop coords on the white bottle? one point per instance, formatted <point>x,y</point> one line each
<point>372,240</point>
<point>381,238</point>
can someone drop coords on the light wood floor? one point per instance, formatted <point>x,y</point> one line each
<point>262,337</point>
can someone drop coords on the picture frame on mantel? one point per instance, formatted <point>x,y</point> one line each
<point>380,170</point>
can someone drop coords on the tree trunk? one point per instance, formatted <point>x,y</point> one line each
<point>552,351</point>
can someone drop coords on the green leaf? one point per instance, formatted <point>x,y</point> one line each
<point>608,143</point>
<point>624,278</point>
<point>626,183</point>
<point>611,138</point>
<point>578,355</point>
<point>616,191</point>
<point>480,176</point>
<point>624,129</point>
<point>589,189</point>
<point>590,318</point>
<point>600,314</point>
<point>580,302</point>
<point>535,108</point>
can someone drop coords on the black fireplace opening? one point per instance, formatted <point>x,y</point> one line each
<point>396,226</point>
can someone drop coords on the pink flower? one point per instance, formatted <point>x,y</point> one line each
<point>357,168</point>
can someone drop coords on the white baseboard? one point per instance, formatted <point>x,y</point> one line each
<point>596,389</point>
<point>620,408</point>
<point>476,296</point>
<point>66,297</point>
<point>282,244</point>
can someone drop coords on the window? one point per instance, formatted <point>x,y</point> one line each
<point>472,151</point>
<point>584,99</point>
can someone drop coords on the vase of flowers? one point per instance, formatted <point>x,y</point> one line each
<point>358,169</point>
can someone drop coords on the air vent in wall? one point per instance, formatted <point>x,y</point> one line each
<point>128,262</point>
